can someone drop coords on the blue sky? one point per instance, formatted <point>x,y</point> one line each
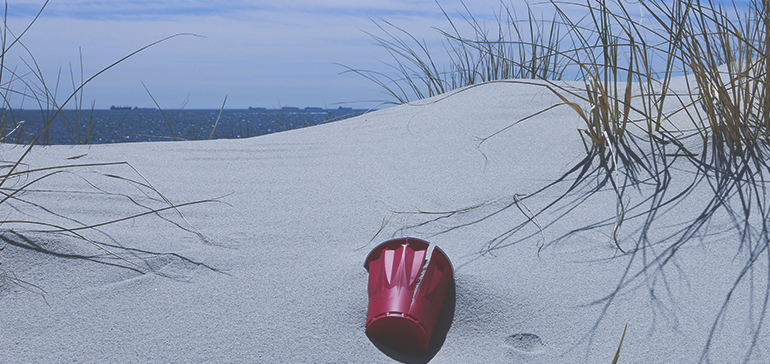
<point>259,53</point>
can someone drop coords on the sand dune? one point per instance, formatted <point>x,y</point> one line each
<point>280,277</point>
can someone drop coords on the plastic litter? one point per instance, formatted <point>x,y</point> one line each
<point>404,307</point>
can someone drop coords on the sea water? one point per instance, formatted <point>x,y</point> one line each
<point>147,125</point>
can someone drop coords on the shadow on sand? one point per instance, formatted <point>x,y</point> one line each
<point>659,185</point>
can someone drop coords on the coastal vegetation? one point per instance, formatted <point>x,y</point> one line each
<point>631,78</point>
<point>46,117</point>
<point>25,210</point>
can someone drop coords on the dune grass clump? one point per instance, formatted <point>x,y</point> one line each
<point>26,213</point>
<point>678,85</point>
<point>484,58</point>
<point>626,64</point>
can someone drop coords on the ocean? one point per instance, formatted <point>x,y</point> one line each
<point>149,125</point>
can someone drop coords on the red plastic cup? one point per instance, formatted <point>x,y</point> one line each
<point>403,308</point>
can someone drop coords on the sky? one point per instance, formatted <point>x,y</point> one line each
<point>269,53</point>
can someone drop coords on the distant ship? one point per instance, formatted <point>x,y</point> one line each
<point>113,107</point>
<point>257,108</point>
<point>344,108</point>
<point>289,108</point>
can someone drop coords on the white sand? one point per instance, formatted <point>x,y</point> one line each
<point>282,279</point>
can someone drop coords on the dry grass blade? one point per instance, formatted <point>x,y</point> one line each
<point>31,287</point>
<point>143,183</point>
<point>531,217</point>
<point>74,93</point>
<point>40,225</point>
<point>168,122</point>
<point>617,353</point>
<point>218,117</point>
<point>59,229</point>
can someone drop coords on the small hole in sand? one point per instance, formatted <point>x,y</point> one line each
<point>529,343</point>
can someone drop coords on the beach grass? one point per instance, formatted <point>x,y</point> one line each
<point>626,65</point>
<point>18,179</point>
<point>641,75</point>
